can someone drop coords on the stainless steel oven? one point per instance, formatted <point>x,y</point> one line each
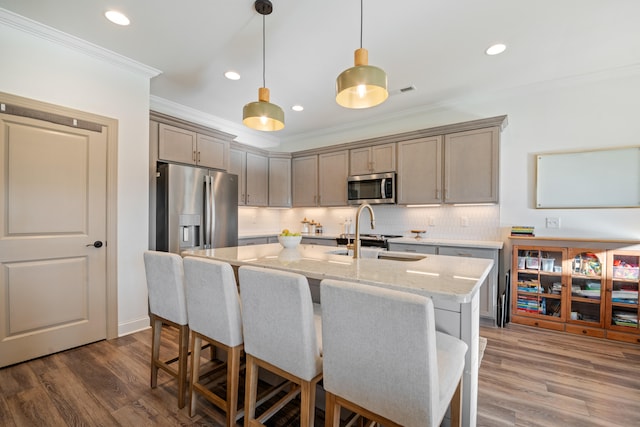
<point>373,189</point>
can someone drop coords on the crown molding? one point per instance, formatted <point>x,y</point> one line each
<point>242,134</point>
<point>52,35</point>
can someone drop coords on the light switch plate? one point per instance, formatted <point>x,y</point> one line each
<point>553,222</point>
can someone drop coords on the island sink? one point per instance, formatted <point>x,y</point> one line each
<point>379,254</point>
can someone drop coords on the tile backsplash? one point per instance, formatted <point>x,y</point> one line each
<point>452,222</point>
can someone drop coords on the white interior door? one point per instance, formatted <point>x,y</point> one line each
<point>52,210</point>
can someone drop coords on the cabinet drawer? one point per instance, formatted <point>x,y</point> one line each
<point>586,331</point>
<point>621,336</point>
<point>403,247</point>
<point>556,326</point>
<point>467,252</point>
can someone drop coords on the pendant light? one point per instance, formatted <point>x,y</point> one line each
<point>363,85</point>
<point>263,115</point>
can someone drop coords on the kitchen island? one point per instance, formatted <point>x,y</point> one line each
<point>451,282</point>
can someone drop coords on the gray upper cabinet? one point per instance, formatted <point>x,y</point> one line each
<point>253,177</point>
<point>238,166</point>
<point>304,177</point>
<point>459,167</point>
<point>420,171</point>
<point>471,166</point>
<point>185,146</point>
<point>279,182</point>
<point>374,159</point>
<point>257,179</point>
<point>333,170</point>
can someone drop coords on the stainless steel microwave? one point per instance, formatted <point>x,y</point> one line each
<point>375,188</point>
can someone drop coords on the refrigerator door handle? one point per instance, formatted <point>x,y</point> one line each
<point>208,211</point>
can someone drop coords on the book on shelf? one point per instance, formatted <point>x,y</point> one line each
<point>522,230</point>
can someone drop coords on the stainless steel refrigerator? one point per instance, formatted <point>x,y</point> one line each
<point>196,208</point>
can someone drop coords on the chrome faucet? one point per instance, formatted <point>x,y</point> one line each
<point>356,239</point>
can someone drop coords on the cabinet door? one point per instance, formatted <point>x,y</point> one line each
<point>471,166</point>
<point>488,291</point>
<point>212,152</point>
<point>420,171</point>
<point>360,161</point>
<point>238,166</point>
<point>537,292</point>
<point>384,158</point>
<point>279,182</point>
<point>305,181</point>
<point>375,159</point>
<point>176,145</point>
<point>623,283</point>
<point>257,179</point>
<point>333,169</point>
<point>585,304</point>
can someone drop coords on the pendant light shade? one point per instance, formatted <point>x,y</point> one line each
<point>363,85</point>
<point>263,115</point>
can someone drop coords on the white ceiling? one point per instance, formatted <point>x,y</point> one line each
<point>436,45</point>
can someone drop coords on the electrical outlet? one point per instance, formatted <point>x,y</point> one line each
<point>553,222</point>
<point>432,221</point>
<point>464,221</point>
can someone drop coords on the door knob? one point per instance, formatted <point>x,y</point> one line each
<point>96,244</point>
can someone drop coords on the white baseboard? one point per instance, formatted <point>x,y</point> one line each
<point>133,326</point>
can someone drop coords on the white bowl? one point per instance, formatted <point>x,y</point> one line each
<point>289,241</point>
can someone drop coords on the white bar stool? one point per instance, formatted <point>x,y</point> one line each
<point>213,306</point>
<point>167,306</point>
<point>384,360</point>
<point>282,334</point>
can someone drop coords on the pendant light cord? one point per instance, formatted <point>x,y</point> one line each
<point>361,22</point>
<point>264,80</point>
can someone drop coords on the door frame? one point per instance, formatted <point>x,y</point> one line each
<point>110,126</point>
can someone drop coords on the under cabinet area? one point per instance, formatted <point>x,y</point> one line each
<point>587,290</point>
<point>489,289</point>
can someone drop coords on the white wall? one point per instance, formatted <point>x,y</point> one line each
<point>36,67</point>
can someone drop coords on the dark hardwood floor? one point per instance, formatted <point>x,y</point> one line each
<point>528,377</point>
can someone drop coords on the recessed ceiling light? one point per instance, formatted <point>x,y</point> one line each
<point>232,75</point>
<point>496,49</point>
<point>297,108</point>
<point>117,17</point>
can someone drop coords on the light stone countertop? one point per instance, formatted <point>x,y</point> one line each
<point>444,278</point>
<point>427,241</point>
<point>485,244</point>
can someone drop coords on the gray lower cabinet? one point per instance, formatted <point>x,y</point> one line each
<point>246,241</point>
<point>323,241</point>
<point>489,289</point>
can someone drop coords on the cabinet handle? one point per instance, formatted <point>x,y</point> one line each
<point>193,156</point>
<point>198,159</point>
<point>465,254</point>
<point>584,332</point>
<point>437,194</point>
<point>535,323</point>
<point>248,198</point>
